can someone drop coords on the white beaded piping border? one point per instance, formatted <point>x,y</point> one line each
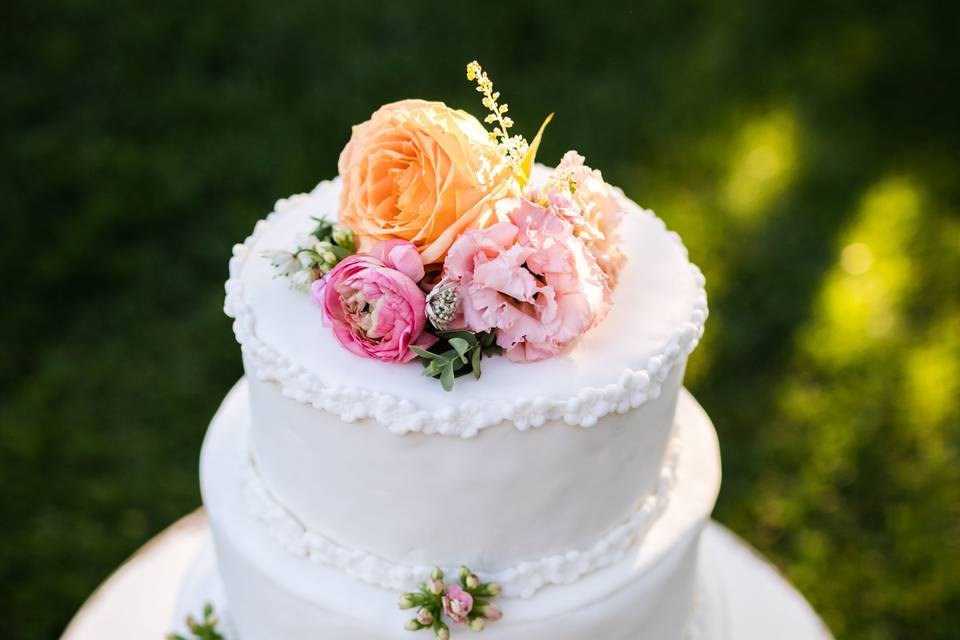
<point>519,581</point>
<point>632,388</point>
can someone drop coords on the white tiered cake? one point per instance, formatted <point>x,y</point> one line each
<point>580,484</point>
<point>561,495</point>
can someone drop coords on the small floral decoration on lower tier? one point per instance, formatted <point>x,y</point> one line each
<point>204,629</point>
<point>466,603</point>
<point>446,251</point>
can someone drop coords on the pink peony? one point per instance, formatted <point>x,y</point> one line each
<point>373,303</point>
<point>457,603</point>
<point>531,279</point>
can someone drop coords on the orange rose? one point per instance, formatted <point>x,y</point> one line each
<point>419,171</point>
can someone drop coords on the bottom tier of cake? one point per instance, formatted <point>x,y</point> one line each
<point>274,594</point>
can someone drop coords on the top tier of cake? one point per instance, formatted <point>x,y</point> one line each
<point>656,320</point>
<point>353,462</point>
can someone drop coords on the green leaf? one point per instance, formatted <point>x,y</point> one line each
<point>526,165</point>
<point>201,630</point>
<point>324,229</point>
<point>340,252</point>
<point>432,370</point>
<point>446,378</point>
<point>423,353</point>
<point>461,346</point>
<point>469,336</point>
<point>492,350</point>
<point>475,363</point>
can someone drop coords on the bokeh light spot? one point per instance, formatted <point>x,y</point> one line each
<point>860,303</point>
<point>856,258</point>
<point>932,383</point>
<point>762,164</point>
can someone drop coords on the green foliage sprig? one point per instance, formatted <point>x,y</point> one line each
<point>205,629</point>
<point>457,353</point>
<point>429,602</point>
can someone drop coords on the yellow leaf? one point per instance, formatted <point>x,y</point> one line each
<point>526,166</point>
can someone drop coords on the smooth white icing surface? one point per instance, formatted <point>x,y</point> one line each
<point>522,579</point>
<point>708,618</point>
<point>656,320</point>
<point>275,594</point>
<point>496,502</point>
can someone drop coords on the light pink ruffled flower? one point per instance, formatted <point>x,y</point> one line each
<point>457,603</point>
<point>580,195</point>
<point>530,279</point>
<point>373,303</point>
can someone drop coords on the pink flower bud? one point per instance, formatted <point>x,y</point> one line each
<point>425,617</point>
<point>492,612</point>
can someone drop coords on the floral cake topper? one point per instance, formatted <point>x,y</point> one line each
<point>445,251</point>
<point>464,603</point>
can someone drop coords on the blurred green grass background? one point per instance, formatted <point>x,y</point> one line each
<point>808,152</point>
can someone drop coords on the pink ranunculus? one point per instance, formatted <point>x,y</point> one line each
<point>373,303</point>
<point>531,279</point>
<point>457,603</point>
<point>400,255</point>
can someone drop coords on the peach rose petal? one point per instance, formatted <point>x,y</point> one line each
<point>411,173</point>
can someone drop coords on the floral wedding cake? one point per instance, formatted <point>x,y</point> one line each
<point>463,406</point>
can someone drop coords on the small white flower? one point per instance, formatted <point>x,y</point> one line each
<point>307,258</point>
<point>302,279</point>
<point>284,262</point>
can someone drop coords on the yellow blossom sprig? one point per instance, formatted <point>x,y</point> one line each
<point>516,150</point>
<point>514,146</point>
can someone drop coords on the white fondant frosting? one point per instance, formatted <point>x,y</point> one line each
<point>520,580</point>
<point>656,320</point>
<point>272,593</point>
<point>491,502</point>
<point>706,620</point>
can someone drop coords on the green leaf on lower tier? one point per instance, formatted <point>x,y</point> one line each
<point>205,629</point>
